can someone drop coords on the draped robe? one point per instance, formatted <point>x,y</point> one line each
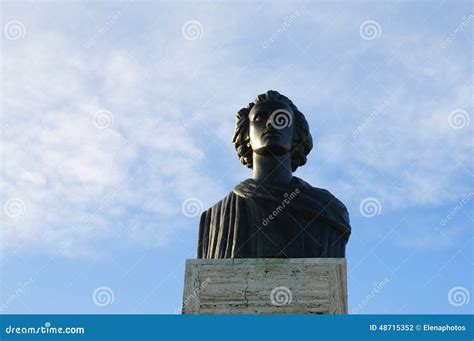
<point>267,221</point>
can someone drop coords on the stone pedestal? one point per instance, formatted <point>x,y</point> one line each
<point>265,286</point>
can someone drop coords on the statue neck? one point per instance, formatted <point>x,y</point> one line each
<point>272,169</point>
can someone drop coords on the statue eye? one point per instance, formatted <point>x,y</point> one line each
<point>257,118</point>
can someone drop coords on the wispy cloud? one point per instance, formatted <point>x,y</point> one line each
<point>171,103</point>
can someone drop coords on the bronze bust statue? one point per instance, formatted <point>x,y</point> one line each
<point>274,214</point>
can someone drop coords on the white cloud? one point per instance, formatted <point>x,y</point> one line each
<point>79,182</point>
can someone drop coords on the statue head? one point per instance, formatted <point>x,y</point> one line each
<point>272,124</point>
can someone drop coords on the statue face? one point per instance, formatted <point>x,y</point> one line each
<point>271,128</point>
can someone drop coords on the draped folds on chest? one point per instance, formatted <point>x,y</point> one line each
<point>294,221</point>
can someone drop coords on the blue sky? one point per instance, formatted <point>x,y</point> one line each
<point>116,113</point>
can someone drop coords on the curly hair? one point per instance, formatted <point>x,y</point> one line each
<point>302,140</point>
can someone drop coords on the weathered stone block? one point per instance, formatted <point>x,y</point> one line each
<point>265,286</point>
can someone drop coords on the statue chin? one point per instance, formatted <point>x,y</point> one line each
<point>271,150</point>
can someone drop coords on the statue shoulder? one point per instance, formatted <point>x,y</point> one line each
<point>330,197</point>
<point>221,204</point>
<point>329,200</point>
